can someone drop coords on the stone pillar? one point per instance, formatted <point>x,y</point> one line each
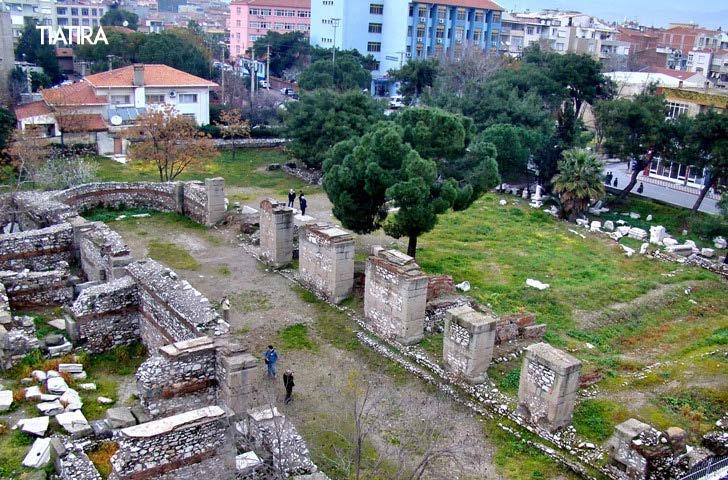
<point>236,377</point>
<point>468,343</point>
<point>548,388</point>
<point>622,454</point>
<point>395,295</point>
<point>326,260</point>
<point>276,233</point>
<point>215,208</point>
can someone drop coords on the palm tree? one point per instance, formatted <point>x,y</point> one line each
<point>579,182</point>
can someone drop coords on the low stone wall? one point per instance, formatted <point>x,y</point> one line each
<point>74,464</point>
<point>102,252</point>
<point>171,309</point>
<point>40,210</point>
<point>326,260</point>
<point>51,288</point>
<point>519,326</point>
<point>37,250</point>
<point>181,376</point>
<point>160,447</point>
<point>439,286</point>
<point>106,316</point>
<point>17,339</point>
<point>5,315</point>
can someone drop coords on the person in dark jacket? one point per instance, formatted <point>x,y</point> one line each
<point>609,178</point>
<point>291,197</point>
<point>616,182</point>
<point>641,188</point>
<point>303,203</point>
<point>288,384</point>
<point>271,358</point>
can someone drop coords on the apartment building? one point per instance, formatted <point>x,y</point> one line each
<point>42,11</point>
<point>252,19</point>
<point>393,31</point>
<point>80,13</point>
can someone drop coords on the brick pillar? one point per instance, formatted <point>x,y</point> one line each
<point>395,295</point>
<point>237,378</point>
<point>215,208</point>
<point>548,388</point>
<point>468,343</point>
<point>326,260</point>
<point>276,233</point>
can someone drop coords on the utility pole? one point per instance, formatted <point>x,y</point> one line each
<point>335,24</point>
<point>401,59</point>
<point>267,66</point>
<point>222,69</point>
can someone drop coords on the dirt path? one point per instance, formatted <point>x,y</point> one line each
<point>264,303</point>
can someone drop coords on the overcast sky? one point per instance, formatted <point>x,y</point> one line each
<point>709,13</point>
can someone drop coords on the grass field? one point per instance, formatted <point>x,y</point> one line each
<point>247,170</point>
<point>617,314</point>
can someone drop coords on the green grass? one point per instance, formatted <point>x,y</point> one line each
<point>247,170</point>
<point>123,360</point>
<point>14,445</point>
<point>510,381</point>
<point>172,255</point>
<point>433,345</point>
<point>296,337</point>
<point>248,301</point>
<point>596,419</point>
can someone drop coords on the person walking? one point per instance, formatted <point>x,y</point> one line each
<point>271,357</point>
<point>291,197</point>
<point>616,182</point>
<point>641,188</point>
<point>288,384</point>
<point>225,305</point>
<point>609,178</point>
<point>303,203</point>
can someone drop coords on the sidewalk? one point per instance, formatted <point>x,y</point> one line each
<point>664,193</point>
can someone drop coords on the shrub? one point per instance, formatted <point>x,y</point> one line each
<point>710,226</point>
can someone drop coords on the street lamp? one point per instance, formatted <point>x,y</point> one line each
<point>222,69</point>
<point>335,23</point>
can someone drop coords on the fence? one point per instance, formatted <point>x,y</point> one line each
<point>715,470</point>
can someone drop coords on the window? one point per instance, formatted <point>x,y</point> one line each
<point>120,100</point>
<point>279,12</point>
<point>496,17</point>
<point>239,10</point>
<point>420,32</point>
<point>94,12</point>
<point>559,47</point>
<point>85,22</point>
<point>238,23</point>
<point>479,15</point>
<point>441,13</point>
<point>151,99</point>
<point>304,13</point>
<point>411,9</point>
<point>675,109</point>
<point>61,11</point>
<point>84,12</point>
<point>255,11</point>
<point>476,35</point>
<point>529,30</point>
<point>459,34</point>
<point>440,33</point>
<point>374,47</point>
<point>289,26</point>
<point>74,22</point>
<point>461,14</point>
<point>188,98</point>
<point>62,22</point>
<point>422,11</point>
<point>265,12</point>
<point>409,31</point>
<point>375,28</point>
<point>290,13</point>
<point>376,8</point>
<point>74,11</point>
<point>254,25</point>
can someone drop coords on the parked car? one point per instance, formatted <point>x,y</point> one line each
<point>263,84</point>
<point>396,101</point>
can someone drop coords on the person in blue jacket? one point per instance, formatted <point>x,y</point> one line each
<point>271,357</point>
<point>302,201</point>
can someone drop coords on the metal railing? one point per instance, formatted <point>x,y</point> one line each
<point>712,467</point>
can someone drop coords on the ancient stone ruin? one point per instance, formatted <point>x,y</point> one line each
<point>276,233</point>
<point>197,387</point>
<point>548,386</point>
<point>326,260</point>
<point>468,343</point>
<point>395,295</point>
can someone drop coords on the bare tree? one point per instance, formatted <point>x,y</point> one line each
<point>472,66</point>
<point>172,142</point>
<point>233,127</point>
<point>266,107</point>
<point>70,121</point>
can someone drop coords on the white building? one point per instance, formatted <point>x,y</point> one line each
<point>633,83</point>
<point>699,61</point>
<point>103,106</point>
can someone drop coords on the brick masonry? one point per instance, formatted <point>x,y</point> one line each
<point>468,342</point>
<point>36,249</point>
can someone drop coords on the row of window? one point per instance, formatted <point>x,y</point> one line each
<point>152,99</point>
<point>279,26</point>
<point>96,12</point>
<point>278,12</point>
<point>459,33</point>
<point>460,13</point>
<point>64,22</point>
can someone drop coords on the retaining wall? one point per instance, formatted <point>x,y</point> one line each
<point>39,249</point>
<point>37,289</point>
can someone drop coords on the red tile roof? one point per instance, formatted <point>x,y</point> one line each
<point>32,109</point>
<point>89,122</point>
<point>79,93</point>
<point>154,76</point>
<point>64,52</point>
<point>679,74</point>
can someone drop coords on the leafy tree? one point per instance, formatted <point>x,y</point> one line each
<point>30,49</point>
<point>633,129</point>
<point>286,50</point>
<point>435,133</point>
<point>178,49</point>
<point>346,74</point>
<point>323,118</point>
<point>579,182</point>
<point>707,146</point>
<point>723,205</point>
<point>415,76</point>
<point>39,80</point>
<point>367,62</point>
<point>511,145</point>
<point>171,142</point>
<point>233,127</point>
<point>363,174</point>
<point>7,126</point>
<point>116,17</point>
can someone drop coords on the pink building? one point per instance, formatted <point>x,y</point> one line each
<point>250,19</point>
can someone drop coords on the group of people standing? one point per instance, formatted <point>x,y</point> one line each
<point>271,359</point>
<point>610,176</point>
<point>302,203</point>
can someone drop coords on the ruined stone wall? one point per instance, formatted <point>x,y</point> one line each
<point>5,315</point>
<point>106,316</point>
<point>395,294</point>
<point>37,289</point>
<point>74,464</point>
<point>181,376</point>
<point>40,210</point>
<point>102,252</point>
<point>171,309</point>
<point>468,342</point>
<point>37,250</point>
<point>17,339</point>
<point>326,260</point>
<point>161,447</point>
<point>276,233</point>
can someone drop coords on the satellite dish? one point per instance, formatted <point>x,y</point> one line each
<point>116,120</point>
<point>125,23</point>
<point>172,94</point>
